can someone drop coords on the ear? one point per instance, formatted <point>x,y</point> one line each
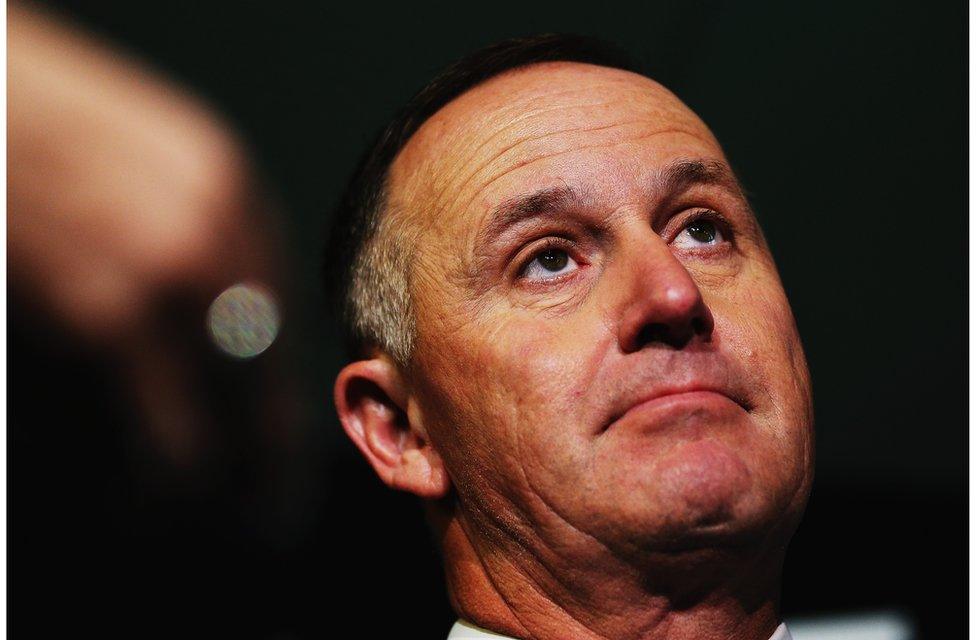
<point>372,401</point>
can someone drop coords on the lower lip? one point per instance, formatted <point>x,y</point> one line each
<point>664,410</point>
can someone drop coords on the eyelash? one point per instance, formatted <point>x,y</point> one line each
<point>720,222</point>
<point>551,242</point>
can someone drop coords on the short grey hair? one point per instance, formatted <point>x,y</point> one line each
<point>379,306</point>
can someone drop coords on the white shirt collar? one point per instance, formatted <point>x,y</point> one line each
<point>467,631</point>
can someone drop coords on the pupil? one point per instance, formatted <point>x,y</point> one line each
<point>702,231</point>
<point>553,259</point>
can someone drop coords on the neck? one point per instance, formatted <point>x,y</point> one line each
<point>530,592</point>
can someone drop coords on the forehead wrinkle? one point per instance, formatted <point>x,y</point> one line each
<point>628,96</point>
<point>647,94</point>
<point>464,264</point>
<point>436,137</point>
<point>411,188</point>
<point>510,103</point>
<point>493,112</point>
<point>435,127</point>
<point>473,151</point>
<point>555,154</point>
<point>512,147</point>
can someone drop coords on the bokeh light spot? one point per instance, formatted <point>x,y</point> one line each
<point>243,320</point>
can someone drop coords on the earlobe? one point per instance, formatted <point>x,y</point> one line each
<point>371,399</point>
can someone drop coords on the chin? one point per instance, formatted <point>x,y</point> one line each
<point>702,495</point>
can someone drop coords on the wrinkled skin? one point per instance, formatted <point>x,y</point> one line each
<point>527,382</point>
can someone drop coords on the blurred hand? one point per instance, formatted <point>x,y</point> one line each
<point>130,207</point>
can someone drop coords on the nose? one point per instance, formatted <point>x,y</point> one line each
<point>664,304</point>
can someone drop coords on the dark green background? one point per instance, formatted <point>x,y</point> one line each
<point>847,124</point>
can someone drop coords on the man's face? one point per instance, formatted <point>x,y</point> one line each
<point>604,349</point>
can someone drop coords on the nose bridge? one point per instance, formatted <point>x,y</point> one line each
<point>661,302</point>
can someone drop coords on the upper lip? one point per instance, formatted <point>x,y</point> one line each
<point>662,390</point>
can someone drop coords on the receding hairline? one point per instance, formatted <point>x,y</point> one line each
<point>441,117</point>
<point>420,150</point>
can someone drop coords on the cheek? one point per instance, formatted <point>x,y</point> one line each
<point>505,399</point>
<point>757,325</point>
<point>527,382</point>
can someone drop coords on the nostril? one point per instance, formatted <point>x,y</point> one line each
<point>661,333</point>
<point>676,335</point>
<point>653,332</point>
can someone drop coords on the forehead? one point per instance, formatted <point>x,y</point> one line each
<point>532,126</point>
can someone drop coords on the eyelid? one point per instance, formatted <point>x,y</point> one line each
<point>680,222</point>
<point>532,251</point>
<point>524,256</point>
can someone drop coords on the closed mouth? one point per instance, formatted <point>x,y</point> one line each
<point>691,395</point>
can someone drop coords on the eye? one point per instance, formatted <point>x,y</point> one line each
<point>699,232</point>
<point>549,263</point>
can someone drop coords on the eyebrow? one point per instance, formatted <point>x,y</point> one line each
<point>672,180</point>
<point>533,205</point>
<point>681,175</point>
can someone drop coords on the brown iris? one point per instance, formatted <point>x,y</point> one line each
<point>702,231</point>
<point>553,259</point>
